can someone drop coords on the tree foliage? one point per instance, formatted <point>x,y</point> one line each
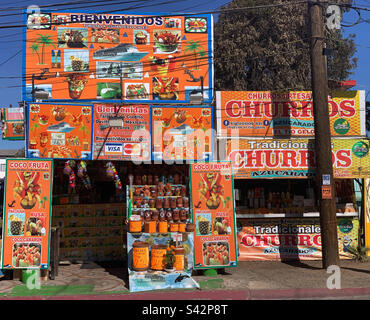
<point>269,48</point>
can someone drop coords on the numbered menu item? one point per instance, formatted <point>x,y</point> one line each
<point>212,206</point>
<point>59,131</point>
<point>26,223</point>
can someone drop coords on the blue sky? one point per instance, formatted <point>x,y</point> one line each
<point>11,42</point>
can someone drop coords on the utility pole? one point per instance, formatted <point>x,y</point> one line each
<point>324,164</point>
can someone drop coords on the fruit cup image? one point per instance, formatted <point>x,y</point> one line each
<point>76,84</point>
<point>27,189</point>
<point>141,38</point>
<point>26,255</point>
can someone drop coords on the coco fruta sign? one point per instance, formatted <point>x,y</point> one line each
<point>295,158</point>
<point>27,214</point>
<point>212,198</point>
<point>287,114</point>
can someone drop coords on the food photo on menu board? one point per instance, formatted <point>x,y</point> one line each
<point>140,58</point>
<point>213,214</point>
<point>27,213</point>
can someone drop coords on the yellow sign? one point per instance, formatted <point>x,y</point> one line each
<point>287,114</point>
<point>295,158</point>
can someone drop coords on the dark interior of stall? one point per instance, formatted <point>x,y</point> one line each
<point>256,196</point>
<point>91,216</point>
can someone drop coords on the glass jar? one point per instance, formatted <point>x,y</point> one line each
<point>140,256</point>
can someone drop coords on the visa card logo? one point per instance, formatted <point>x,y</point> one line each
<point>113,149</point>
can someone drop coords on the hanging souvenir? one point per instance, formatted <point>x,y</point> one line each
<point>68,170</point>
<point>112,172</point>
<point>82,173</point>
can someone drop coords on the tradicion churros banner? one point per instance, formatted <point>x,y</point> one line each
<point>292,239</point>
<point>156,57</point>
<point>295,158</point>
<point>287,114</point>
<point>212,198</point>
<point>59,131</point>
<point>128,141</point>
<point>182,133</point>
<point>27,213</point>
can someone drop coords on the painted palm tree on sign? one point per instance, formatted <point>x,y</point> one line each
<point>45,41</point>
<point>197,50</point>
<point>35,47</point>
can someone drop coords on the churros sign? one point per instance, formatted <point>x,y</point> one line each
<point>286,114</point>
<point>296,158</point>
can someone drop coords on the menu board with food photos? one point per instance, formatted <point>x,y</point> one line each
<point>212,203</point>
<point>114,56</point>
<point>61,131</point>
<point>27,214</point>
<point>181,133</point>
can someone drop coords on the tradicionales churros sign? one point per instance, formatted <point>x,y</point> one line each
<point>292,239</point>
<point>295,158</point>
<point>286,114</point>
<point>27,214</point>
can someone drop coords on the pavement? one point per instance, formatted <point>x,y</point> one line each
<point>257,280</point>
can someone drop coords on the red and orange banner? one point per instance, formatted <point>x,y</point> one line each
<point>27,213</point>
<point>295,158</point>
<point>12,123</point>
<point>59,131</point>
<point>182,133</point>
<point>287,114</point>
<point>212,198</point>
<point>130,56</point>
<point>292,239</point>
<point>129,141</point>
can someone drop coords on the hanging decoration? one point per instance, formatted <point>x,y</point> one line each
<point>68,170</point>
<point>82,173</point>
<point>112,173</point>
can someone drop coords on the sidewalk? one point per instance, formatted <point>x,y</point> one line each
<point>249,281</point>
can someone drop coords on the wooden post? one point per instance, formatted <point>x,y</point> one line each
<point>324,164</point>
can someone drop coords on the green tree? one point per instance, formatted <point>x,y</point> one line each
<point>269,48</point>
<point>45,41</point>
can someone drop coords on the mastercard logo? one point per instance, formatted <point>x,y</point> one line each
<point>131,149</point>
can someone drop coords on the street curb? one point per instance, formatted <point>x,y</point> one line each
<point>303,293</point>
<point>264,294</point>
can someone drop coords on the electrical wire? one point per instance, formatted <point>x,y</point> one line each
<point>182,14</point>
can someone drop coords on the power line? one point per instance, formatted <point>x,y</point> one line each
<point>11,57</point>
<point>182,14</point>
